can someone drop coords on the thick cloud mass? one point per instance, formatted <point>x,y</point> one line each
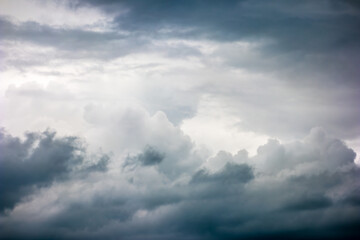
<point>304,55</point>
<point>302,190</point>
<point>37,162</point>
<point>193,112</point>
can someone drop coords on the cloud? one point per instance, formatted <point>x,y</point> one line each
<point>317,149</point>
<point>236,20</point>
<point>296,51</point>
<point>230,174</point>
<point>148,157</point>
<point>37,162</point>
<point>311,195</point>
<point>309,203</point>
<point>206,108</point>
<point>299,51</point>
<point>86,43</point>
<point>143,138</point>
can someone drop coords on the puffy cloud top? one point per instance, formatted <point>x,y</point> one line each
<point>251,197</point>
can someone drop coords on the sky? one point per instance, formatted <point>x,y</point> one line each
<point>189,119</point>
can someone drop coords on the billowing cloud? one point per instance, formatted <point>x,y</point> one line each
<point>243,196</point>
<point>304,55</point>
<point>37,162</point>
<point>179,119</point>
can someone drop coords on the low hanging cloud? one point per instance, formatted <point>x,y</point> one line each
<point>313,194</point>
<point>38,161</point>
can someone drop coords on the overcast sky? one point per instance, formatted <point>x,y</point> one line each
<point>187,119</point>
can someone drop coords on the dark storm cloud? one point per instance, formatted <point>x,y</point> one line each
<point>232,213</point>
<point>297,29</point>
<point>38,161</point>
<point>329,23</point>
<point>314,197</point>
<point>309,203</point>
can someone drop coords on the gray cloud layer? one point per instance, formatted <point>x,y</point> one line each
<point>302,190</point>
<point>278,68</point>
<point>310,48</point>
<point>37,162</point>
<point>331,25</point>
